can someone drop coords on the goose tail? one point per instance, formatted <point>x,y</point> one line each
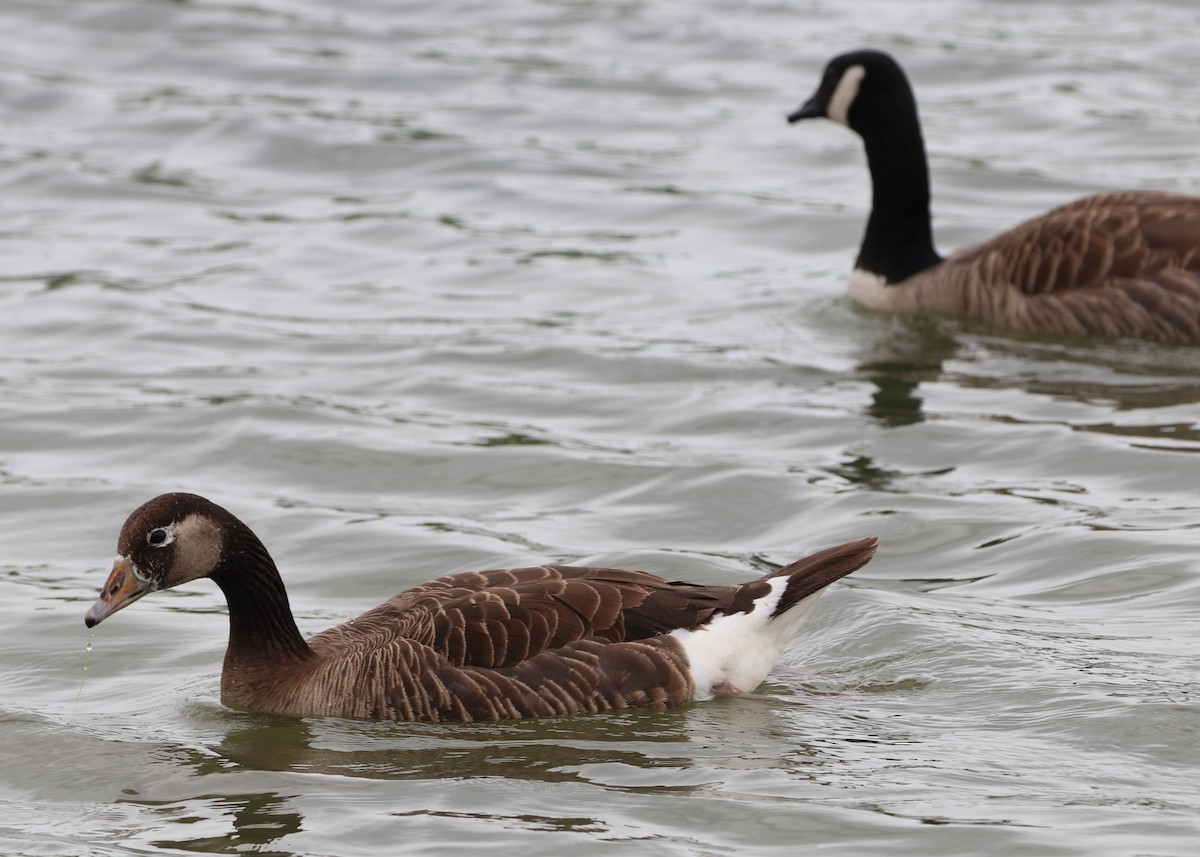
<point>735,650</point>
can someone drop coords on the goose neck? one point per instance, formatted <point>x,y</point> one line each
<point>261,625</point>
<point>898,241</point>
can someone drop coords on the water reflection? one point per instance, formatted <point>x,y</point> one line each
<point>894,402</point>
<point>574,824</point>
<point>1121,376</point>
<point>1173,433</point>
<point>547,750</point>
<point>862,470</point>
<point>674,752</point>
<point>258,820</point>
<point>914,351</point>
<point>1117,376</point>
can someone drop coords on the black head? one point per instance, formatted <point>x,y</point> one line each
<point>856,86</point>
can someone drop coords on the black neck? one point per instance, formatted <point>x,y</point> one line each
<point>899,238</point>
<point>261,625</point>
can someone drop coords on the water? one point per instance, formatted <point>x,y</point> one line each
<point>420,288</point>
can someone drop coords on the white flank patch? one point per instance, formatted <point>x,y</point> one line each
<point>844,94</point>
<point>738,651</point>
<point>870,290</point>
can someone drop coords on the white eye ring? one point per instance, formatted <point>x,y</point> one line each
<point>160,537</point>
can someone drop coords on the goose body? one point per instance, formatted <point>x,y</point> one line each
<point>1112,264</point>
<point>488,645</point>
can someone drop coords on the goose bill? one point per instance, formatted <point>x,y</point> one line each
<point>810,109</point>
<point>122,588</point>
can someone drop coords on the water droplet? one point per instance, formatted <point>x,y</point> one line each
<point>87,650</point>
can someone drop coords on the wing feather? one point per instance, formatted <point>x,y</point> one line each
<point>531,643</point>
<point>503,617</point>
<point>1124,264</point>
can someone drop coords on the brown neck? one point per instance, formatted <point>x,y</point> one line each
<point>261,628</point>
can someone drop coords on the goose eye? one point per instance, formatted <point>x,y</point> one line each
<point>157,536</point>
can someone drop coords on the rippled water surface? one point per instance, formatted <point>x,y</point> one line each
<point>415,288</point>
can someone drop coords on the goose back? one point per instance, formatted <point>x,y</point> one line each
<point>521,642</point>
<point>474,646</point>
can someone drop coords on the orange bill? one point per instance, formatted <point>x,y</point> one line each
<point>122,588</point>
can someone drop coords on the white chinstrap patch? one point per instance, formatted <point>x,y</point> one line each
<point>870,290</point>
<point>735,652</point>
<point>844,94</point>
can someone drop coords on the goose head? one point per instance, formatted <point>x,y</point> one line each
<point>861,90</point>
<point>168,541</point>
<point>868,92</point>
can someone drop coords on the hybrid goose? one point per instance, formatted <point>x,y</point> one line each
<point>1114,264</point>
<point>487,645</point>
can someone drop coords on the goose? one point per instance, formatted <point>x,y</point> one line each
<point>485,645</point>
<point>1124,264</point>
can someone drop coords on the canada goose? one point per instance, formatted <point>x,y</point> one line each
<point>487,645</point>
<point>1114,264</point>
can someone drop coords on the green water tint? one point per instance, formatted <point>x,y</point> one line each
<point>86,654</point>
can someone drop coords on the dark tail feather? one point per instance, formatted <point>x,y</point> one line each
<point>815,572</point>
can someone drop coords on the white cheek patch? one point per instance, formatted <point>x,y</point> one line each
<point>844,94</point>
<point>201,543</point>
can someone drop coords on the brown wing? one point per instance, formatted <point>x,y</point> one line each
<point>1108,265</point>
<point>503,617</point>
<point>1097,241</point>
<point>405,680</point>
<point>526,642</point>
<point>588,675</point>
<point>531,642</point>
<point>584,676</point>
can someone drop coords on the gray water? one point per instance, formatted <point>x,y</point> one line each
<point>416,288</point>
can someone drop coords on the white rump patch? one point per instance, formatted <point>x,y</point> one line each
<point>844,94</point>
<point>871,290</point>
<point>735,652</point>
